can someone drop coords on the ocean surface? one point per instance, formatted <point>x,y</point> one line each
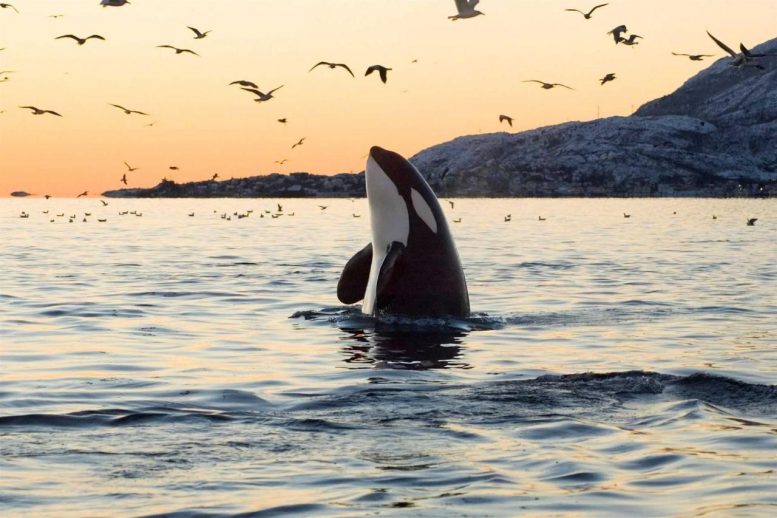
<point>163,363</point>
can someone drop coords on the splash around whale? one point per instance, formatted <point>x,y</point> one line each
<point>411,266</point>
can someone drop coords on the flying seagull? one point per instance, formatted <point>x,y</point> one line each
<point>631,40</point>
<point>281,162</point>
<point>127,110</point>
<point>299,143</point>
<point>283,120</point>
<point>507,118</point>
<point>197,34</point>
<point>130,168</point>
<point>546,86</point>
<point>466,9</point>
<point>742,59</point>
<point>693,57</point>
<point>215,175</point>
<point>85,193</point>
<point>124,179</point>
<point>243,82</point>
<point>6,6</point>
<point>607,78</point>
<point>177,50</point>
<point>751,221</point>
<point>262,96</point>
<point>383,71</point>
<point>332,66</point>
<point>616,33</point>
<point>55,16</point>
<point>587,15</point>
<point>38,111</point>
<point>78,40</point>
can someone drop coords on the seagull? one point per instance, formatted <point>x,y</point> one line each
<point>80,41</point>
<point>457,220</point>
<point>124,179</point>
<point>546,86</point>
<point>5,6</point>
<point>105,203</point>
<point>280,207</point>
<point>587,15</point>
<point>85,193</point>
<point>281,162</point>
<point>243,82</point>
<point>215,175</point>
<point>283,120</point>
<point>299,143</point>
<point>38,111</point>
<point>172,168</point>
<point>262,96</point>
<point>332,66</point>
<point>631,41</point>
<point>197,34</point>
<point>127,110</point>
<point>751,222</point>
<point>626,215</point>
<point>540,218</point>
<point>466,9</point>
<point>47,196</point>
<point>323,207</point>
<point>742,59</point>
<point>508,218</point>
<point>452,204</point>
<point>383,71</point>
<point>609,77</point>
<point>356,215</point>
<point>55,16</point>
<point>130,168</point>
<point>616,33</point>
<point>176,49</point>
<point>507,118</point>
<point>113,3</point>
<point>693,57</point>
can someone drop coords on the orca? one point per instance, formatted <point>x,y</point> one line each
<point>411,266</point>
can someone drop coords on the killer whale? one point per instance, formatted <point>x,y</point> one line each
<point>411,266</point>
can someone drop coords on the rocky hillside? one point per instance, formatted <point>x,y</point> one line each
<point>715,136</point>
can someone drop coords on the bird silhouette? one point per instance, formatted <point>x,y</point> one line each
<point>261,97</point>
<point>503,118</point>
<point>466,9</point>
<point>546,86</point>
<point>508,218</point>
<point>243,82</point>
<point>693,57</point>
<point>616,33</point>
<point>451,203</point>
<point>113,3</point>
<point>127,110</point>
<point>281,162</point>
<point>332,66</point>
<point>323,207</point>
<point>105,203</point>
<point>6,6</point>
<point>85,193</point>
<point>742,59</point>
<point>751,221</point>
<point>283,120</point>
<point>299,142</point>
<point>607,78</point>
<point>78,40</point>
<point>130,168</point>
<point>198,35</point>
<point>39,111</point>
<point>626,215</point>
<point>177,50</point>
<point>124,179</point>
<point>631,40</point>
<point>213,178</point>
<point>587,15</point>
<point>382,71</point>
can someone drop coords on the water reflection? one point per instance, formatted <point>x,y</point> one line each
<point>390,348</point>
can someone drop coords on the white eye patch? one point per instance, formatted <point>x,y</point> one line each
<point>423,210</point>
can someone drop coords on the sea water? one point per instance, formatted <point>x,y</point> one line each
<point>159,362</point>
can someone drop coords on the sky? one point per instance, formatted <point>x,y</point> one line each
<point>467,73</point>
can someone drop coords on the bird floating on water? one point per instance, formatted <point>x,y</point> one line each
<point>78,40</point>
<point>503,118</point>
<point>693,57</point>
<point>607,78</point>
<point>382,71</point>
<point>198,35</point>
<point>466,9</point>
<point>127,110</point>
<point>177,50</point>
<point>546,86</point>
<point>113,3</point>
<point>261,97</point>
<point>39,111</point>
<point>587,15</point>
<point>751,221</point>
<point>332,66</point>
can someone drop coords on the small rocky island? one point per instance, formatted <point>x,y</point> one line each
<point>715,136</point>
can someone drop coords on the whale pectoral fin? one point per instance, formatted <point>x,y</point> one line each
<point>390,270</point>
<point>356,274</point>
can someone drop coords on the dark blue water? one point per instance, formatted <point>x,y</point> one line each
<point>202,366</point>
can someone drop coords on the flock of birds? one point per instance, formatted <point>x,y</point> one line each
<point>465,9</point>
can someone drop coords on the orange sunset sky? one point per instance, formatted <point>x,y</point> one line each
<point>468,72</point>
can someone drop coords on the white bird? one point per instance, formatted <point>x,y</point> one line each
<point>466,9</point>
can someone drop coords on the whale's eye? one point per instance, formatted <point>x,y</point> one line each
<point>423,210</point>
